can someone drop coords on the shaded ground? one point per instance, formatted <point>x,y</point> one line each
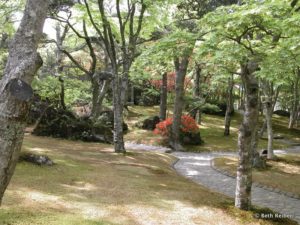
<point>92,185</point>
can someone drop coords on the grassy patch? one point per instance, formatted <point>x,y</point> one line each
<point>283,173</point>
<point>90,184</point>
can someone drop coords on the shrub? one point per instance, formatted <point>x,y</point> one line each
<point>188,125</point>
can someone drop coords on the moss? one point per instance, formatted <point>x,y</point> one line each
<point>24,217</point>
<point>282,173</point>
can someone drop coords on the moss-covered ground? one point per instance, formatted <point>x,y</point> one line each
<point>90,184</point>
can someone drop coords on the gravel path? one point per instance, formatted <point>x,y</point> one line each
<point>198,167</point>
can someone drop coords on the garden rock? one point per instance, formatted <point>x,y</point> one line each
<point>149,123</point>
<point>41,160</point>
<point>106,119</point>
<point>192,139</point>
<point>282,113</point>
<point>64,124</point>
<point>259,160</point>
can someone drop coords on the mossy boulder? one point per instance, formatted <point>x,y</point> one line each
<point>64,124</point>
<point>191,138</point>
<point>148,123</point>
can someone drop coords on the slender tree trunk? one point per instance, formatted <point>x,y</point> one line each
<point>274,101</point>
<point>132,93</point>
<point>295,102</point>
<point>59,66</point>
<point>269,102</point>
<point>62,93</point>
<point>120,99</point>
<point>96,108</point>
<point>247,137</point>
<point>118,116</point>
<point>196,113</point>
<point>163,97</point>
<point>229,107</point>
<point>268,115</point>
<point>15,90</point>
<point>181,69</point>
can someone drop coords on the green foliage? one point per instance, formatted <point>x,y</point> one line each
<point>75,90</point>
<point>47,88</point>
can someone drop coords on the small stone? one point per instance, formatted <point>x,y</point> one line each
<point>37,159</point>
<point>277,190</point>
<point>296,196</point>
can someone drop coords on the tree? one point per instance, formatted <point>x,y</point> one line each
<point>120,38</point>
<point>181,65</point>
<point>15,90</point>
<point>163,97</point>
<point>244,34</point>
<point>98,75</point>
<point>196,112</point>
<point>229,107</point>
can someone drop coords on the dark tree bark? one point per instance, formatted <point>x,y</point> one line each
<point>295,102</point>
<point>247,137</point>
<point>96,107</point>
<point>196,113</point>
<point>163,97</point>
<point>229,108</point>
<point>181,66</point>
<point>15,90</point>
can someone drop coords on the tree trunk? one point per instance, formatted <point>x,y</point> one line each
<point>15,90</point>
<point>132,93</point>
<point>268,115</point>
<point>181,69</point>
<point>62,93</point>
<point>274,101</point>
<point>247,136</point>
<point>118,116</point>
<point>295,103</point>
<point>96,107</point>
<point>59,66</point>
<point>163,97</point>
<point>196,113</point>
<point>229,107</point>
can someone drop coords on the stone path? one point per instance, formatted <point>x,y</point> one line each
<point>197,167</point>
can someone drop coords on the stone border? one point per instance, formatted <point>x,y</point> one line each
<point>256,184</point>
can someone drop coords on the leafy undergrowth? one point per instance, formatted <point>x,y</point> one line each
<point>211,130</point>
<point>90,184</point>
<point>282,173</point>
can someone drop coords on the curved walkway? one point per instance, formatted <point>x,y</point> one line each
<point>197,167</point>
